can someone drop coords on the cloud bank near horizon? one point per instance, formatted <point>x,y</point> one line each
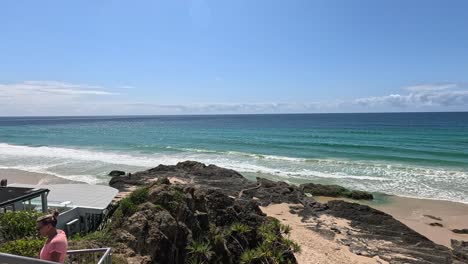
<point>61,98</point>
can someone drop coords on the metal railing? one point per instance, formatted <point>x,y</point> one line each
<point>81,256</point>
<point>14,259</point>
<point>90,256</point>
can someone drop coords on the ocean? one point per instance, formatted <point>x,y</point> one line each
<point>423,155</point>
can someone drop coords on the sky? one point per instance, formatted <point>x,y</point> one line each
<point>102,57</point>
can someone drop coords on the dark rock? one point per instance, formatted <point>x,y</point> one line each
<point>335,191</point>
<point>436,224</point>
<point>433,217</point>
<point>406,245</point>
<point>359,195</point>
<point>268,192</point>
<point>115,173</point>
<point>227,181</point>
<point>460,248</point>
<point>460,231</point>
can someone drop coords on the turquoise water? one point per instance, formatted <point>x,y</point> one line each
<point>412,154</point>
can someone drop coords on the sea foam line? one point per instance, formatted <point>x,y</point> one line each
<point>391,177</point>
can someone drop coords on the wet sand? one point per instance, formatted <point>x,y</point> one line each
<point>26,177</point>
<point>419,214</point>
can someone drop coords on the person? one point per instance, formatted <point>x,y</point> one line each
<point>55,248</point>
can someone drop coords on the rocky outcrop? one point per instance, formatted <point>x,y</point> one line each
<point>335,191</point>
<point>229,197</point>
<point>181,224</point>
<point>372,227</point>
<point>460,231</point>
<point>227,181</point>
<point>460,249</point>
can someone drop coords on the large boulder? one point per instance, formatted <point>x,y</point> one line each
<point>335,191</point>
<point>116,173</point>
<point>268,191</point>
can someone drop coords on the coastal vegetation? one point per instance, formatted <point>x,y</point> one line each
<point>18,234</point>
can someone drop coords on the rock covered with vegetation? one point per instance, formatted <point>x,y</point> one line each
<point>170,223</point>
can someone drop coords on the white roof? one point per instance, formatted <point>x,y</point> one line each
<point>77,195</point>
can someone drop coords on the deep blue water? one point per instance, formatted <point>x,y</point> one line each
<point>411,154</point>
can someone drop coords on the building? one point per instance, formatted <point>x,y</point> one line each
<point>23,198</point>
<point>82,207</point>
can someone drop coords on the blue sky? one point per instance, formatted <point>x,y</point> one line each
<point>207,57</point>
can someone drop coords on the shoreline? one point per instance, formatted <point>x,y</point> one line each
<point>414,212</point>
<point>33,178</point>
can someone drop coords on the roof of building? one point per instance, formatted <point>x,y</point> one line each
<point>79,195</point>
<point>10,194</point>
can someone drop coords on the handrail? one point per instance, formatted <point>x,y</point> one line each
<point>15,259</point>
<point>104,259</point>
<point>79,255</point>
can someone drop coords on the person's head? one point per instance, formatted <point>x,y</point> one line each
<point>47,223</point>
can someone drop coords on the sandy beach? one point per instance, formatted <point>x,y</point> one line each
<point>419,214</point>
<point>26,177</point>
<point>315,249</point>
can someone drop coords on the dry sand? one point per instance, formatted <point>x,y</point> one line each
<point>25,177</point>
<point>315,248</point>
<point>418,214</point>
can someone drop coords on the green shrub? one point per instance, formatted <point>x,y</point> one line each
<point>97,236</point>
<point>199,252</point>
<point>23,247</point>
<point>139,196</point>
<point>117,218</point>
<point>274,247</point>
<point>19,224</point>
<point>127,206</point>
<point>240,228</point>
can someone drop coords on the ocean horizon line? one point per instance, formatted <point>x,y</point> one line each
<point>234,114</point>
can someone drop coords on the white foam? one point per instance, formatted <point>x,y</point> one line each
<point>91,165</point>
<point>83,155</point>
<point>82,177</point>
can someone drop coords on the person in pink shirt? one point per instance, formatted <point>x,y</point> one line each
<point>55,248</point>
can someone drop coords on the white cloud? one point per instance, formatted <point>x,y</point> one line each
<point>421,96</point>
<point>48,98</point>
<point>50,88</point>
<point>60,98</point>
<point>430,87</point>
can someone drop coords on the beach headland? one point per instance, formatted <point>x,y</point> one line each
<point>355,233</point>
<point>390,229</point>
